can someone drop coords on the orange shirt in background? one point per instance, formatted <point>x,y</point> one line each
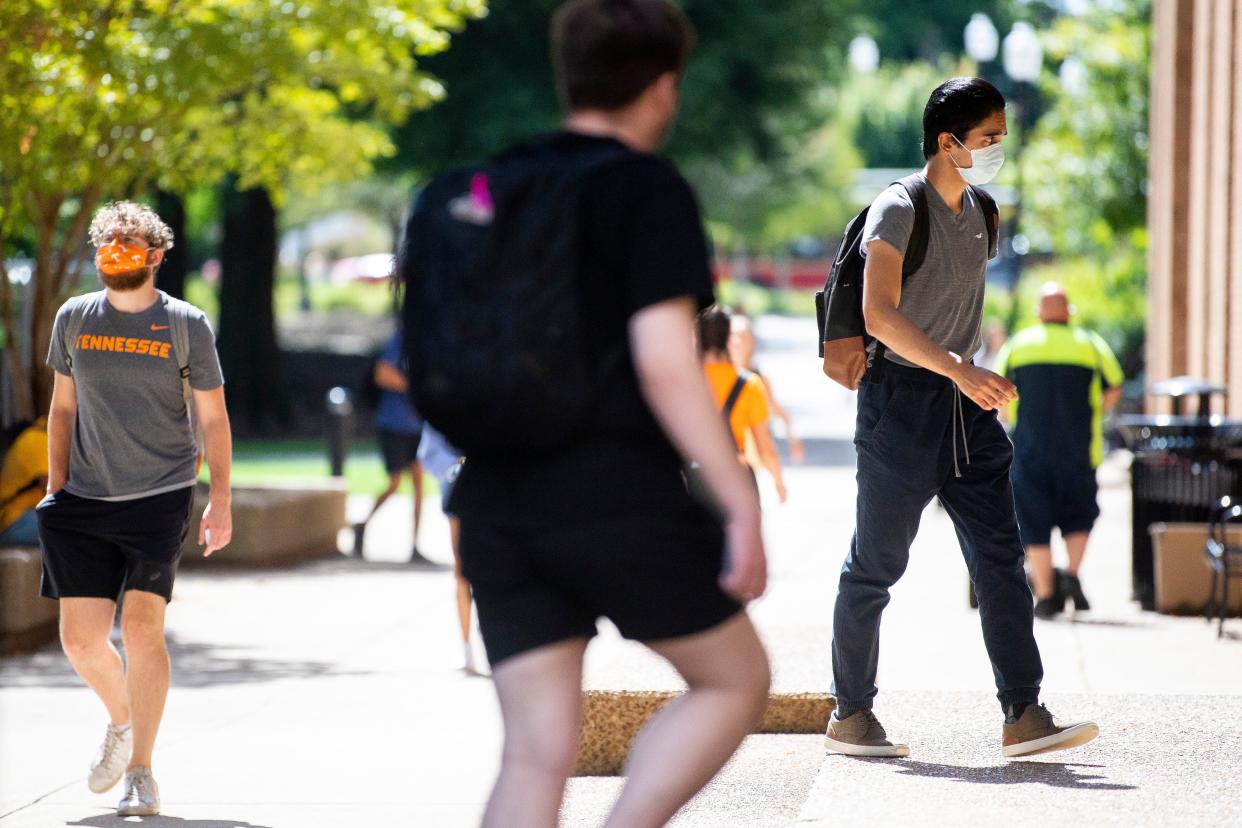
<point>751,409</point>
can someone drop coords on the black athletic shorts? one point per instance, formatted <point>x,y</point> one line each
<point>654,574</point>
<point>97,548</point>
<point>399,450</point>
<point>1047,497</point>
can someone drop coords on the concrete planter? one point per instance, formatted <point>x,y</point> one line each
<point>273,526</point>
<point>27,620</point>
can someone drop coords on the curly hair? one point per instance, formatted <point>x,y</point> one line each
<point>130,219</point>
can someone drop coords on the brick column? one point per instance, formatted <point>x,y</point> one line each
<point>1220,178</point>
<point>1169,203</point>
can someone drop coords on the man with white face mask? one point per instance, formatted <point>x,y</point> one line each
<point>927,427</point>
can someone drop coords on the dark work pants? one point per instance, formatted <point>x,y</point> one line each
<point>908,434</point>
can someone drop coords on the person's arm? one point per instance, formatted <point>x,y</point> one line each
<point>1112,396</point>
<point>60,419</point>
<point>216,529</point>
<point>797,452</point>
<point>390,378</point>
<point>881,296</point>
<point>672,382</point>
<point>769,457</point>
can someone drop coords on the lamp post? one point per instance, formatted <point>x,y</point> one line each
<point>1022,58</point>
<point>864,55</point>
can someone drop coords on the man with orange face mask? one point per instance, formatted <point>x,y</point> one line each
<point>133,367</point>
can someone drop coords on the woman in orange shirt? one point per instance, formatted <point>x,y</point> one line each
<point>739,395</point>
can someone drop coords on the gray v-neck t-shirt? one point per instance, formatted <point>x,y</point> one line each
<point>944,297</point>
<point>132,435</point>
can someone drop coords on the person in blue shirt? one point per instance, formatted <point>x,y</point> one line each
<point>400,430</point>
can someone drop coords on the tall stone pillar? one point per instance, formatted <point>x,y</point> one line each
<point>1169,200</point>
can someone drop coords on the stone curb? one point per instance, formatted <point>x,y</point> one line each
<point>611,720</point>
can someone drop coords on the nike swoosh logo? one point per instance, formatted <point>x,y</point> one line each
<point>977,236</point>
<point>165,327</point>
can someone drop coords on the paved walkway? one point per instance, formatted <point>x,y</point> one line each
<point>327,695</point>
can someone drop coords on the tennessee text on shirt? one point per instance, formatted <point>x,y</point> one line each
<point>124,345</point>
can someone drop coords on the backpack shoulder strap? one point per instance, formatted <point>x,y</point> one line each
<point>991,215</point>
<point>179,331</point>
<point>738,387</point>
<point>74,321</point>
<point>920,233</point>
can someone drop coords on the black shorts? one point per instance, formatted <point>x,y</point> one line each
<point>655,575</point>
<point>1047,497</point>
<point>97,548</point>
<point>399,450</point>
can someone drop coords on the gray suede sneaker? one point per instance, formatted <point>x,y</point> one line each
<point>142,795</point>
<point>1036,731</point>
<point>861,734</point>
<point>109,764</point>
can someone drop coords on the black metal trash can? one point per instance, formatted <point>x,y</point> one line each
<point>1182,467</point>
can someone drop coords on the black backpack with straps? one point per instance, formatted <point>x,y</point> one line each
<point>843,337</point>
<point>495,341</point>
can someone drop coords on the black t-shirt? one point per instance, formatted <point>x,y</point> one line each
<point>642,243</point>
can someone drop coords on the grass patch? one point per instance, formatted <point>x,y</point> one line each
<point>285,462</point>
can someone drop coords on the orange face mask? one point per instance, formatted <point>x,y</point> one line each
<point>117,257</point>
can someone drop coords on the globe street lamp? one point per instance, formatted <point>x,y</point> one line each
<point>1022,58</point>
<point>982,39</point>
<point>864,55</point>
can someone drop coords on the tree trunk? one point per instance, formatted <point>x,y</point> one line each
<point>171,278</point>
<point>248,351</point>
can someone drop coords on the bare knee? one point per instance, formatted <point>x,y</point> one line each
<point>141,630</point>
<point>82,645</point>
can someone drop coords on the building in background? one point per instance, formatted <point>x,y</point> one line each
<point>1195,197</point>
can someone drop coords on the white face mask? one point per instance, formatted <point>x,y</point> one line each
<point>986,163</point>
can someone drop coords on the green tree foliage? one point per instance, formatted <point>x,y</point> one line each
<point>1085,170</point>
<point>102,99</point>
<point>907,31</point>
<point>747,105</point>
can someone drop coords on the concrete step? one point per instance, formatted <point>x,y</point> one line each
<point>611,720</point>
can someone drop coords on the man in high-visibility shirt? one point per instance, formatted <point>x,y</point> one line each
<point>1068,379</point>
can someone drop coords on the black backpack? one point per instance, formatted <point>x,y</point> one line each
<point>494,334</point>
<point>843,336</point>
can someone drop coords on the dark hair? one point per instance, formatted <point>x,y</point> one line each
<point>607,52</point>
<point>714,326</point>
<point>958,106</point>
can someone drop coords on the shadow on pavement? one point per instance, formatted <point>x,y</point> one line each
<point>161,821</point>
<point>194,664</point>
<point>1107,622</point>
<point>1052,774</point>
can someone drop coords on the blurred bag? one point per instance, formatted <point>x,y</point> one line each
<point>494,334</point>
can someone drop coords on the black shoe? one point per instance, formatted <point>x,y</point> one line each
<point>1048,608</point>
<point>1070,587</point>
<point>420,560</point>
<point>360,530</point>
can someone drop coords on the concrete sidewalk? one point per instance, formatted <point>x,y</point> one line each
<point>328,694</point>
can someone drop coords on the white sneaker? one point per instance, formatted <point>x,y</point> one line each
<point>109,765</point>
<point>142,795</point>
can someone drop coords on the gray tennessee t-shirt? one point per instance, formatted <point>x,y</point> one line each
<point>944,297</point>
<point>132,437</point>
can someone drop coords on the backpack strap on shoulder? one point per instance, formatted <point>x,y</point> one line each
<point>739,385</point>
<point>991,216</point>
<point>920,233</point>
<point>179,332</point>
<point>73,326</point>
